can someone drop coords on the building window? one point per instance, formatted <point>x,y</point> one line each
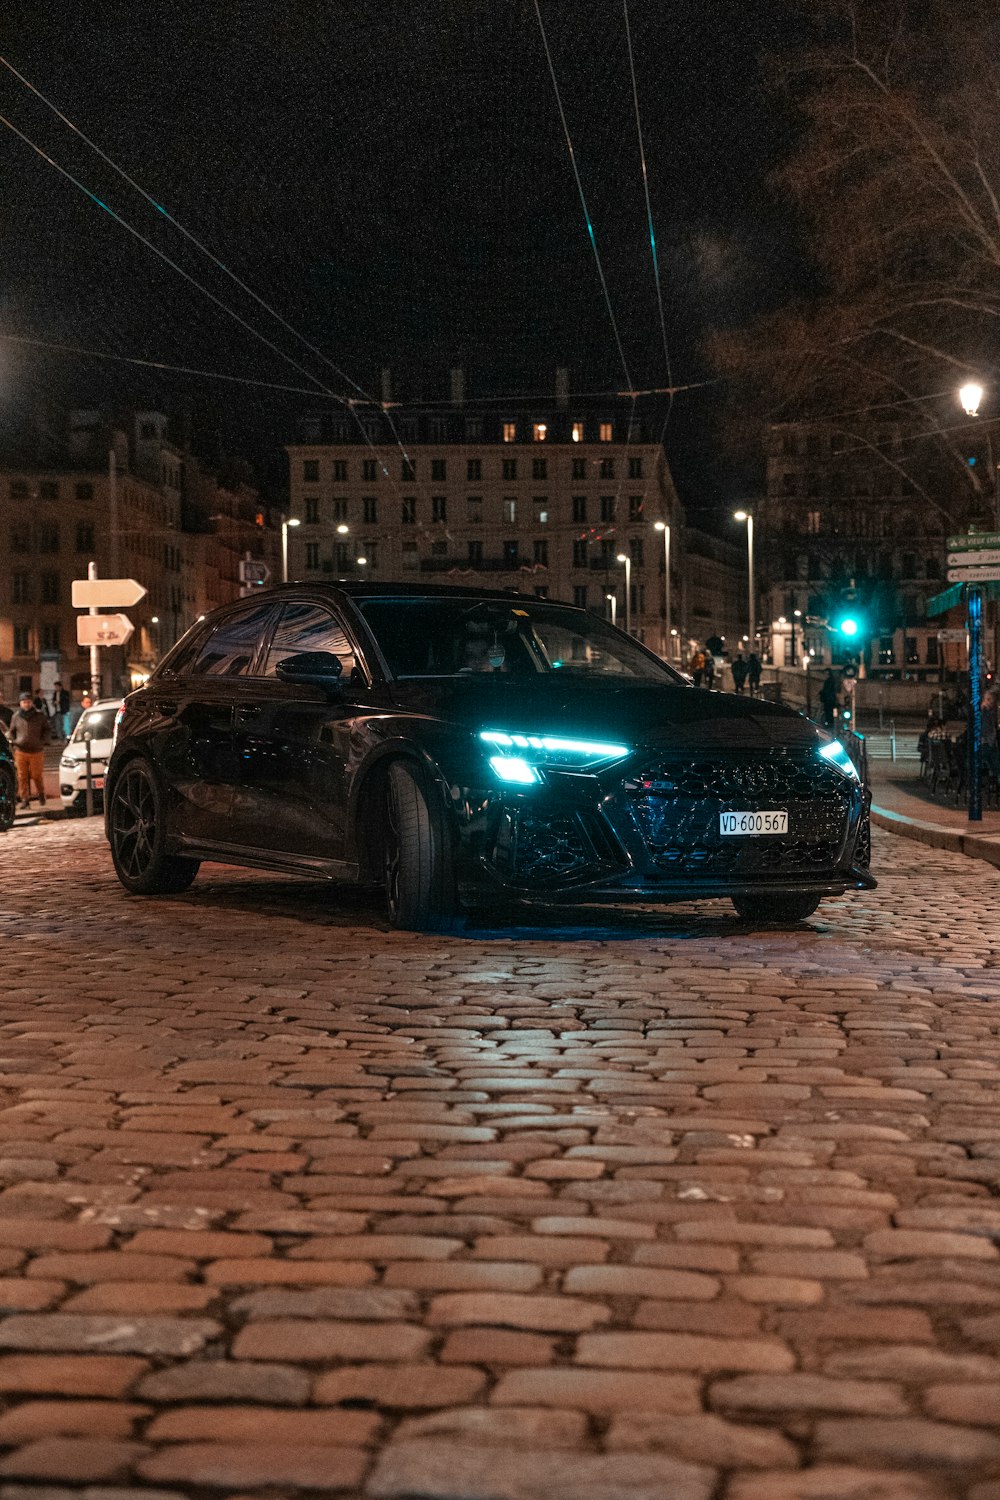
<point>410,558</point>
<point>84,490</point>
<point>439,468</point>
<point>539,468</point>
<point>369,507</point>
<point>49,489</point>
<point>607,468</point>
<point>312,555</point>
<point>635,507</point>
<point>510,554</point>
<point>635,467</point>
<point>439,429</point>
<point>340,509</point>
<point>312,510</point>
<point>343,556</point>
<point>310,471</point>
<point>50,588</point>
<point>580,553</point>
<point>579,468</point>
<point>510,468</point>
<point>579,507</point>
<point>473,429</point>
<point>789,484</point>
<point>541,553</point>
<point>369,551</point>
<point>340,470</point>
<point>607,507</point>
<point>20,538</point>
<point>578,432</point>
<point>19,489</point>
<point>439,507</point>
<point>369,470</point>
<point>509,432</point>
<point>48,538</point>
<point>22,640</point>
<point>84,536</point>
<point>539,432</point>
<point>439,549</point>
<point>606,432</point>
<point>789,444</point>
<point>407,470</point>
<point>475,554</point>
<point>21,588</point>
<point>474,508</point>
<point>50,637</point>
<point>473,470</point>
<point>813,522</point>
<point>580,595</point>
<point>636,551</point>
<point>408,513</point>
<point>510,511</point>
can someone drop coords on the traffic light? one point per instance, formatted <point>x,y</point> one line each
<point>849,626</point>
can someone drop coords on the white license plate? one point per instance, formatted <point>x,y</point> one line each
<point>97,782</point>
<point>753,824</point>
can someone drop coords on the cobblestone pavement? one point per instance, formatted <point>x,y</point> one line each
<point>646,1207</point>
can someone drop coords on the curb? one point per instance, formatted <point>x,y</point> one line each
<point>974,846</point>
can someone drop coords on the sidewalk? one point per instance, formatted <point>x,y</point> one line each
<point>902,803</point>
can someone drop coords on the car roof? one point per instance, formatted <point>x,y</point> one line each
<point>356,590</point>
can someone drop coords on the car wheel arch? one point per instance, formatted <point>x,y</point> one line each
<point>368,798</point>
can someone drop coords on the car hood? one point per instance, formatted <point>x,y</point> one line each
<point>77,750</point>
<point>639,712</point>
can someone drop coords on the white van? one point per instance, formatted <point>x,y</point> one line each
<point>97,722</point>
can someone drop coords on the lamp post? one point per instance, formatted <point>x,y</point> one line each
<point>745,515</point>
<point>623,557</point>
<point>665,528</point>
<point>285,523</point>
<point>796,615</point>
<point>970,396</point>
<point>613,601</point>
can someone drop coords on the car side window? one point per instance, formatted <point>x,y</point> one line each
<point>308,627</point>
<point>230,649</point>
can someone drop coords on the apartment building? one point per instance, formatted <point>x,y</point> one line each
<point>545,500</point>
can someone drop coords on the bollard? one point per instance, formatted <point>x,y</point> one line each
<point>89,803</point>
<point>892,739</point>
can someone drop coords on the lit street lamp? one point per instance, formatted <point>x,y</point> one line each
<point>664,527</point>
<point>970,396</point>
<point>796,615</point>
<point>284,545</point>
<point>745,515</point>
<point>613,601</point>
<point>623,557</point>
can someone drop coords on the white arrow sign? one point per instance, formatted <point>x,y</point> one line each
<point>106,593</point>
<point>103,630</point>
<point>985,573</point>
<point>254,572</point>
<point>985,557</point>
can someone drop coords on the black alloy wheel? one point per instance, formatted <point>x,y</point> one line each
<point>417,858</point>
<point>137,835</point>
<point>771,911</point>
<point>8,798</point>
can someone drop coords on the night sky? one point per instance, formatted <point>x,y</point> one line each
<point>395,179</point>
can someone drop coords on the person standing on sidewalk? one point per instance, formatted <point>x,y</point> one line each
<point>60,709</point>
<point>29,734</point>
<point>829,696</point>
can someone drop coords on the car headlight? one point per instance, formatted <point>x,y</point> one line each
<point>839,759</point>
<point>68,764</point>
<point>518,758</point>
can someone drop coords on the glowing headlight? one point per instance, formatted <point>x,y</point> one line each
<point>518,756</point>
<point>838,757</point>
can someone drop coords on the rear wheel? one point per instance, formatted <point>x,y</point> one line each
<point>137,834</point>
<point>776,909</point>
<point>8,798</point>
<point>417,857</point>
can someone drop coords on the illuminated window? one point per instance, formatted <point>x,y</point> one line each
<point>510,432</point>
<point>510,511</point>
<point>813,522</point>
<point>539,432</point>
<point>606,432</point>
<point>578,432</point>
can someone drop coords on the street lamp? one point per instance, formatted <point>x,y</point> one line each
<point>623,557</point>
<point>613,601</point>
<point>284,545</point>
<point>745,515</point>
<point>342,530</point>
<point>665,528</point>
<point>796,615</point>
<point>970,396</point>
<point>362,562</point>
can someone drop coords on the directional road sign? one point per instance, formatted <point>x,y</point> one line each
<point>952,636</point>
<point>254,572</point>
<point>974,541</point>
<point>106,593</point>
<point>982,557</point>
<point>103,630</point>
<point>981,573</point>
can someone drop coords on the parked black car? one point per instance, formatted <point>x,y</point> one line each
<point>8,784</point>
<point>436,742</point>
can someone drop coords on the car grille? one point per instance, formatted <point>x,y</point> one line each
<point>677,803</point>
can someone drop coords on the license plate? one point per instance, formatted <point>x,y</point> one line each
<point>753,824</point>
<point>97,782</point>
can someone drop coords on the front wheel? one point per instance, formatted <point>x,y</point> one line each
<point>417,855</point>
<point>776,910</point>
<point>138,835</point>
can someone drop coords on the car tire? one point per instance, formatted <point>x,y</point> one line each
<point>8,798</point>
<point>137,834</point>
<point>776,910</point>
<point>417,856</point>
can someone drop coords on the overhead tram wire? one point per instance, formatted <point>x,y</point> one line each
<point>583,199</point>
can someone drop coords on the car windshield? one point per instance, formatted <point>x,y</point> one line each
<point>461,636</point>
<point>99,723</point>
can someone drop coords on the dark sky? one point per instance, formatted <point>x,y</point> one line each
<point>393,176</point>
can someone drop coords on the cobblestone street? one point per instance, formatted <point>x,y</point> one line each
<point>615,1206</point>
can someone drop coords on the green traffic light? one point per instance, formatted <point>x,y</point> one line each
<point>848,626</point>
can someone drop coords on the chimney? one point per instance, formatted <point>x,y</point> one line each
<point>386,383</point>
<point>457,386</point>
<point>562,386</point>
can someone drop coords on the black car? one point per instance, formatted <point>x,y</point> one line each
<point>8,784</point>
<point>441,743</point>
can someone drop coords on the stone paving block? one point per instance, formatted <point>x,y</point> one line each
<point>73,1459</point>
<point>255,1425</point>
<point>907,1441</point>
<point>507,1309</point>
<point>313,1340</point>
<point>500,1427</point>
<point>132,1335</point>
<point>225,1380</point>
<point>702,1438</point>
<point>669,1351</point>
<point>407,1387</point>
<point>497,1346</point>
<point>839,1482</point>
<point>598,1391</point>
<point>806,1392</point>
<point>38,1419</point>
<point>228,1466</point>
<point>69,1375</point>
<point>441,1470</point>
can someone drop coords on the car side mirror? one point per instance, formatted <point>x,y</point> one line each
<point>312,669</point>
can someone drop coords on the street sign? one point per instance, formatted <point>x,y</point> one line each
<point>103,630</point>
<point>952,637</point>
<point>983,557</point>
<point>254,572</point>
<point>974,541</point>
<point>980,573</point>
<point>106,593</point>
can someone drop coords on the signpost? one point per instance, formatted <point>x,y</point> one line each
<point>106,593</point>
<point>974,559</point>
<point>103,630</point>
<point>96,630</point>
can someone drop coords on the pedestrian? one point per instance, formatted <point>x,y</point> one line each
<point>709,669</point>
<point>696,666</point>
<point>5,716</point>
<point>78,710</point>
<point>739,669</point>
<point>753,673</point>
<point>828,695</point>
<point>29,734</point>
<point>60,709</point>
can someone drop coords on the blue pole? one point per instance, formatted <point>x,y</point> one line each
<point>974,602</point>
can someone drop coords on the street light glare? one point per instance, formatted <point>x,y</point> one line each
<point>294,521</point>
<point>740,515</point>
<point>970,397</point>
<point>622,557</point>
<point>342,530</point>
<point>659,525</point>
